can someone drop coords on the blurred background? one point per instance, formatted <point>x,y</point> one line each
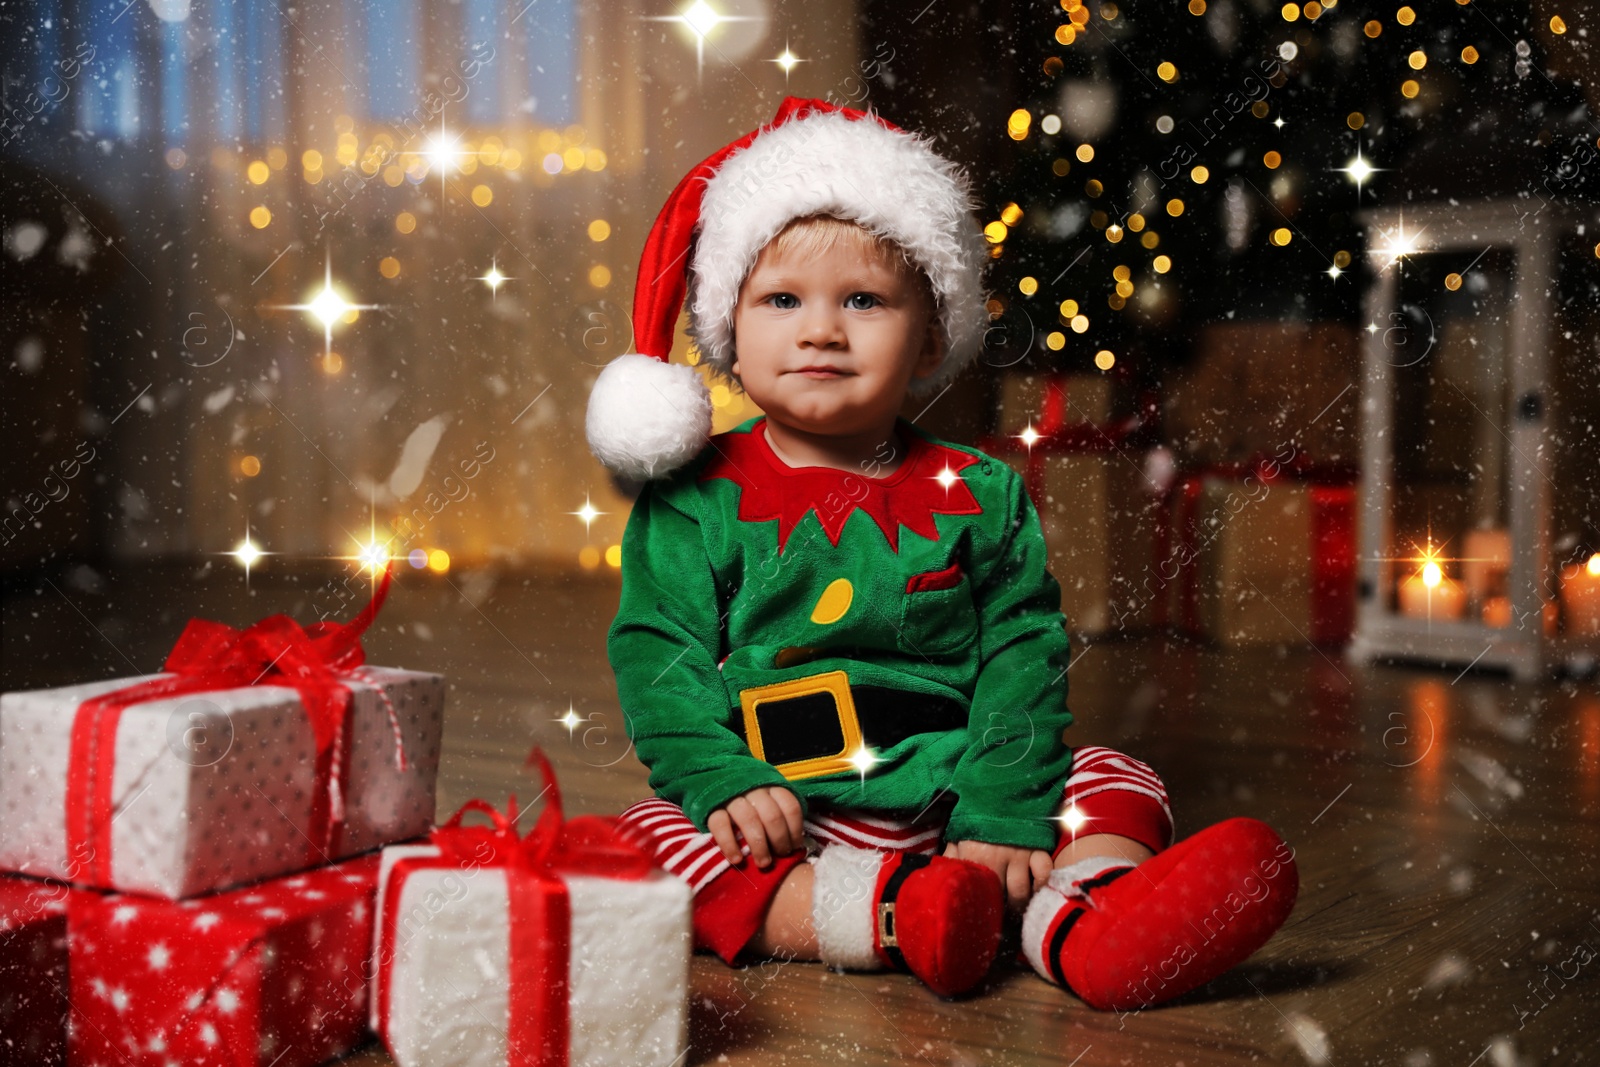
<point>1293,337</point>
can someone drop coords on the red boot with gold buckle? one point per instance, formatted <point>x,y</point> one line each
<point>935,917</point>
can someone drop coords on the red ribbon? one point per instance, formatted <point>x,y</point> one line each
<point>211,656</point>
<point>539,1016</point>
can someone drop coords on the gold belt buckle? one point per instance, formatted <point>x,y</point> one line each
<point>836,683</point>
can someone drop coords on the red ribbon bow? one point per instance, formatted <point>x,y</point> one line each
<point>212,656</point>
<point>540,921</point>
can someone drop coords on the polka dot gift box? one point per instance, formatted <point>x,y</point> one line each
<point>256,753</point>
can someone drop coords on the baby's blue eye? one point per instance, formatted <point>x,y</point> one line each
<point>776,297</point>
<point>869,296</point>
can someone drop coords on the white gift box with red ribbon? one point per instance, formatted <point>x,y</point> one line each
<point>566,948</point>
<point>257,753</point>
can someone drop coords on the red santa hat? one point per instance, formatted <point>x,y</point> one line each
<point>646,416</point>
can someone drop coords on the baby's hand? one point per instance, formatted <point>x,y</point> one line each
<point>768,817</point>
<point>1021,871</point>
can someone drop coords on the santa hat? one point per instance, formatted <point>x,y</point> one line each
<point>646,416</point>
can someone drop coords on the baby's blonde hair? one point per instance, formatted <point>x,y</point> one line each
<point>812,235</point>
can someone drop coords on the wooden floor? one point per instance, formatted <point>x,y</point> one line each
<point>1447,829</point>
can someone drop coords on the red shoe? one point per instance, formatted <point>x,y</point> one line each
<point>936,917</point>
<point>1121,937</point>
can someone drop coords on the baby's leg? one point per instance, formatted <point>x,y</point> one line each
<point>788,932</point>
<point>1115,806</point>
<point>1128,931</point>
<point>731,904</point>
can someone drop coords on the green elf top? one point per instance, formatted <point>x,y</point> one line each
<point>876,643</point>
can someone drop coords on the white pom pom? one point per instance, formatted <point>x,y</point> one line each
<point>647,417</point>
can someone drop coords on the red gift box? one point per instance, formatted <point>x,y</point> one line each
<point>33,973</point>
<point>271,974</point>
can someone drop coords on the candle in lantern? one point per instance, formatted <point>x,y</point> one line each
<point>1580,597</point>
<point>1428,594</point>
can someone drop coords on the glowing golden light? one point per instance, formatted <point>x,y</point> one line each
<point>1396,245</point>
<point>1452,282</point>
<point>1469,55</point>
<point>260,217</point>
<point>1167,72</point>
<point>1282,236</point>
<point>1200,174</point>
<point>1355,120</point>
<point>1028,286</point>
<point>372,557</point>
<point>588,513</point>
<point>1417,60</point>
<point>863,760</point>
<point>1432,574</point>
<point>389,267</point>
<point>1162,264</point>
<point>250,466</point>
<point>247,553</point>
<point>1373,28</point>
<point>599,230</point>
<point>1085,153</point>
<point>1410,88</point>
<point>1405,16</point>
<point>1080,324</point>
<point>493,279</point>
<point>258,172</point>
<point>1593,566</point>
<point>1174,207</point>
<point>1055,340</point>
<point>1105,359</point>
<point>438,561</point>
<point>1291,12</point>
<point>1558,25</point>
<point>995,232</point>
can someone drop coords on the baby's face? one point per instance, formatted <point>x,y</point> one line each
<point>867,325</point>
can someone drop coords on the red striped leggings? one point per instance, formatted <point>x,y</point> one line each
<point>1112,793</point>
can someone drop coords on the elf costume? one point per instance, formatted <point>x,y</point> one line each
<point>887,644</point>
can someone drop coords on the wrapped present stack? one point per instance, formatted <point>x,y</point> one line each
<point>1096,482</point>
<point>1256,538</point>
<point>185,849</point>
<point>194,878</point>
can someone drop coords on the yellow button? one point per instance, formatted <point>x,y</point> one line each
<point>833,603</point>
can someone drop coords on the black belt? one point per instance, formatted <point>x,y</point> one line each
<point>814,725</point>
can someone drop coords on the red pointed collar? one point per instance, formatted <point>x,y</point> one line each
<point>910,496</point>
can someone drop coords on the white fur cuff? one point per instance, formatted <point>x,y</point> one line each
<point>843,899</point>
<point>1059,892</point>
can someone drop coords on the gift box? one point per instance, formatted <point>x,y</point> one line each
<point>271,974</point>
<point>256,754</point>
<point>33,973</point>
<point>1098,491</point>
<point>1254,387</point>
<point>1254,555</point>
<point>565,948</point>
<point>1041,399</point>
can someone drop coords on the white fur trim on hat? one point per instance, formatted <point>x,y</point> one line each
<point>890,181</point>
<point>647,417</point>
<point>843,905</point>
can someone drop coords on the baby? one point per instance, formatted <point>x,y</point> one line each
<point>838,648</point>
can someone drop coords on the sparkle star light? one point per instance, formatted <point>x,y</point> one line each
<point>328,306</point>
<point>1073,819</point>
<point>443,152</point>
<point>494,279</point>
<point>787,61</point>
<point>1396,244</point>
<point>570,720</point>
<point>1358,170</point>
<point>702,20</point>
<point>1029,435</point>
<point>588,513</point>
<point>863,760</point>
